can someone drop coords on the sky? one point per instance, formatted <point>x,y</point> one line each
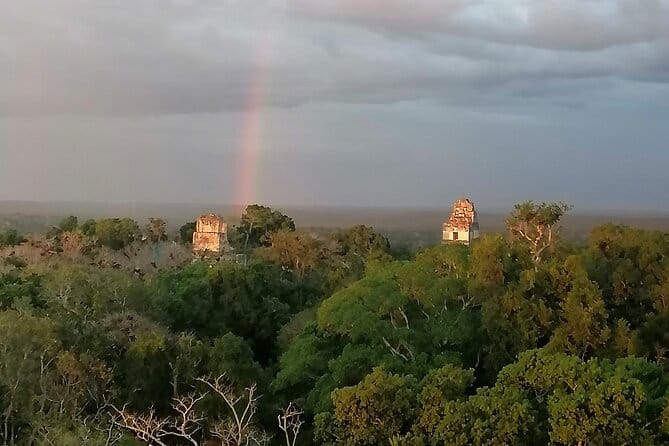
<point>336,102</point>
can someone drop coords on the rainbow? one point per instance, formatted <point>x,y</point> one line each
<point>251,135</point>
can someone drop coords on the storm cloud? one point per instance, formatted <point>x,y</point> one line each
<point>464,85</point>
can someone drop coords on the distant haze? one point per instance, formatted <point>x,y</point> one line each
<point>400,222</point>
<point>304,103</point>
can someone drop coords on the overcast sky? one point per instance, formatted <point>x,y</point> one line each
<point>344,102</point>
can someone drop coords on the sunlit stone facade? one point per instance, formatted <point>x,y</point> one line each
<point>211,235</point>
<point>462,226</point>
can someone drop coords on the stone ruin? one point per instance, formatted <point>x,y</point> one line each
<point>462,226</point>
<point>211,235</point>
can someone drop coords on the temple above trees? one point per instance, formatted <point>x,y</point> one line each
<point>211,235</point>
<point>462,226</point>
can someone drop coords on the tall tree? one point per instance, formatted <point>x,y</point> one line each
<point>68,223</point>
<point>257,224</point>
<point>372,412</point>
<point>116,233</point>
<point>299,252</point>
<point>535,224</point>
<point>156,230</point>
<point>186,232</point>
<point>88,227</point>
<point>10,237</point>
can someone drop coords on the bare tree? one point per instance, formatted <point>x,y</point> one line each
<point>93,432</point>
<point>290,422</point>
<point>154,429</point>
<point>146,427</point>
<point>187,424</point>
<point>238,430</point>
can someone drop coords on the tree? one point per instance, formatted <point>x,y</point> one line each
<point>631,268</point>
<point>69,224</point>
<point>257,224</point>
<point>590,402</point>
<point>348,252</point>
<point>88,227</point>
<point>156,230</point>
<point>189,425</point>
<point>583,319</point>
<point>116,233</point>
<point>438,389</point>
<point>232,356</point>
<point>490,417</point>
<point>186,232</point>
<point>11,237</point>
<point>251,302</point>
<point>362,241</point>
<point>372,412</point>
<point>290,423</point>
<point>298,252</point>
<point>374,322</point>
<point>20,290</point>
<point>535,224</point>
<point>28,347</point>
<point>185,425</point>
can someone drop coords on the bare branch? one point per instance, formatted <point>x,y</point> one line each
<point>290,422</point>
<point>239,430</point>
<point>393,350</point>
<point>148,427</point>
<point>153,429</point>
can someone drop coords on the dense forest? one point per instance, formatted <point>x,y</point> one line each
<point>113,333</point>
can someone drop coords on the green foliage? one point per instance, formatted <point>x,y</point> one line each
<point>519,341</point>
<point>26,344</point>
<point>18,289</point>
<point>186,232</point>
<point>297,252</point>
<point>594,401</point>
<point>116,232</point>
<point>88,227</point>
<point>256,226</point>
<point>377,409</point>
<point>372,322</point>
<point>232,356</point>
<point>69,224</point>
<point>440,388</point>
<point>10,237</point>
<point>488,418</point>
<point>360,243</point>
<point>534,224</point>
<point>253,302</point>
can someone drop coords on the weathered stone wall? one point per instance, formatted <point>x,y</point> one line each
<point>463,236</point>
<point>463,221</point>
<point>210,234</point>
<point>209,241</point>
<point>211,223</point>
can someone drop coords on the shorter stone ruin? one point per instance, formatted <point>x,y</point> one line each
<point>211,235</point>
<point>462,226</point>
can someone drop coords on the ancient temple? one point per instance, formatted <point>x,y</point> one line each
<point>462,226</point>
<point>211,235</point>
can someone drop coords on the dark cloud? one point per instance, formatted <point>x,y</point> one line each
<point>356,101</point>
<point>555,24</point>
<point>171,56</point>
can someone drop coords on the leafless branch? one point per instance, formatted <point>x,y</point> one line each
<point>154,429</point>
<point>238,430</point>
<point>290,422</point>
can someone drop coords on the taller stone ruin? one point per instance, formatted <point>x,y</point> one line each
<point>211,235</point>
<point>462,226</point>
